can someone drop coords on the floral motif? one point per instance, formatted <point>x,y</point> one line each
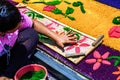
<point>114,32</point>
<point>117,73</point>
<point>50,26</point>
<point>49,8</point>
<point>98,59</point>
<point>53,25</point>
<point>78,45</point>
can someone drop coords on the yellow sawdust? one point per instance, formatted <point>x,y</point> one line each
<point>97,19</point>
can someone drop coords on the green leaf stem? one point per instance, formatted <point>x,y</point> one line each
<point>67,2</point>
<point>117,59</point>
<point>71,18</point>
<point>52,2</point>
<point>116,62</point>
<point>82,9</point>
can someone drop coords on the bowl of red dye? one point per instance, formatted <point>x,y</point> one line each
<point>31,72</point>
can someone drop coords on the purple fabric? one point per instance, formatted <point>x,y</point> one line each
<point>103,73</point>
<point>26,22</point>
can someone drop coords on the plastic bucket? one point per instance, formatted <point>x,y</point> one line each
<point>28,68</point>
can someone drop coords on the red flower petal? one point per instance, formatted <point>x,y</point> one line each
<point>90,61</point>
<point>105,55</point>
<point>77,49</point>
<point>49,8</point>
<point>82,40</point>
<point>84,45</point>
<point>114,32</point>
<point>96,65</point>
<point>106,62</point>
<point>96,54</point>
<point>70,47</point>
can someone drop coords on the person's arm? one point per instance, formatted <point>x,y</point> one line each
<point>59,39</point>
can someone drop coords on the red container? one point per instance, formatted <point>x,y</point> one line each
<point>27,68</point>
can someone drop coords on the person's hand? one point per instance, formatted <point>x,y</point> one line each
<point>67,38</point>
<point>5,78</point>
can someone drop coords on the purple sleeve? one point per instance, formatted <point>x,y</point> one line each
<point>26,22</point>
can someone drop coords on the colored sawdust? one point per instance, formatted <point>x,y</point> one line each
<point>103,63</point>
<point>97,19</point>
<point>33,75</point>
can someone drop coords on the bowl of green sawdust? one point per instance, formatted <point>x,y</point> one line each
<point>31,72</point>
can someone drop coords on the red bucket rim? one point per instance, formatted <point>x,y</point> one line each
<point>30,65</point>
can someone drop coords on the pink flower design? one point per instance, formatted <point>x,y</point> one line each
<point>114,32</point>
<point>78,45</point>
<point>49,8</point>
<point>117,73</point>
<point>51,27</point>
<point>98,59</point>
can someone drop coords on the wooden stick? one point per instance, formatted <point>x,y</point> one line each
<point>74,55</point>
<point>97,40</point>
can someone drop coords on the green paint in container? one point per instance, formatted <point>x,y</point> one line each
<point>33,75</point>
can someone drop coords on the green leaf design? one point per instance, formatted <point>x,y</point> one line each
<point>57,11</point>
<point>71,18</point>
<point>82,9</point>
<point>113,57</point>
<point>53,2</point>
<point>67,2</point>
<point>117,59</point>
<point>80,3</point>
<point>78,35</point>
<point>31,14</point>
<point>41,36</point>
<point>39,16</point>
<point>116,20</point>
<point>76,4</point>
<point>69,11</point>
<point>116,62</point>
<point>67,29</point>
